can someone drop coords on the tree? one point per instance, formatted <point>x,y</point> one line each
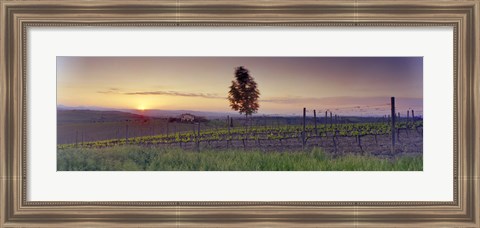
<point>244,94</point>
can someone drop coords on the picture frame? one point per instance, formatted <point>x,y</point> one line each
<point>17,16</point>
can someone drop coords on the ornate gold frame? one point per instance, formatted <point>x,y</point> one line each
<point>17,16</point>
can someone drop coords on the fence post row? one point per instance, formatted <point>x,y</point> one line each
<point>144,129</point>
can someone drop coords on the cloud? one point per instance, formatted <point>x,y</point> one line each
<point>158,92</point>
<point>338,103</point>
<point>335,100</point>
<point>291,100</point>
<point>177,93</point>
<point>110,91</point>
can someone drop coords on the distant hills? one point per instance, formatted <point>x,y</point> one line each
<point>86,115</point>
<point>95,113</point>
<point>176,113</point>
<point>82,112</point>
<point>83,116</point>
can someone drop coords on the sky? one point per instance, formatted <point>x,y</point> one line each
<point>344,85</point>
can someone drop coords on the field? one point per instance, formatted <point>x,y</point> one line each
<point>141,158</point>
<point>134,142</point>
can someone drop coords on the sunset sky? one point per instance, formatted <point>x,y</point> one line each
<point>345,85</point>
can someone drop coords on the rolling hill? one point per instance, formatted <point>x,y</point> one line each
<point>90,116</point>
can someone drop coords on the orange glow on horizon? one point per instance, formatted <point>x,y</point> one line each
<point>141,107</point>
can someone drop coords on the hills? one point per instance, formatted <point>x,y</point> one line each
<point>151,112</point>
<point>82,116</point>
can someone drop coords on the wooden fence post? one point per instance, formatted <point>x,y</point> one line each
<point>168,128</point>
<point>331,119</point>
<point>392,100</point>
<point>325,123</point>
<point>126,133</point>
<point>228,124</point>
<point>194,130</point>
<point>198,136</point>
<point>304,133</point>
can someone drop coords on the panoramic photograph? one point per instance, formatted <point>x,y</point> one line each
<point>239,113</point>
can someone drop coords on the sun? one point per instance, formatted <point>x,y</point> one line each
<point>141,107</point>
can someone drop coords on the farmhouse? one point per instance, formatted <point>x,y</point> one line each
<point>187,117</point>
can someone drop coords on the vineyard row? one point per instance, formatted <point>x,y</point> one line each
<point>256,133</point>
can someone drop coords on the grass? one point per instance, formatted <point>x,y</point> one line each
<point>137,158</point>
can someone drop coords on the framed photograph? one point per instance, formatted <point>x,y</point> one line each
<point>226,113</point>
<point>106,107</point>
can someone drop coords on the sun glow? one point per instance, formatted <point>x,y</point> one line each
<point>141,107</point>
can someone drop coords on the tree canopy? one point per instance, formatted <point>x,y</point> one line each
<point>244,94</point>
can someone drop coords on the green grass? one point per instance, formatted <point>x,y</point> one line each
<point>137,158</point>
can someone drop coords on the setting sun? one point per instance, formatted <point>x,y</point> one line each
<point>141,108</point>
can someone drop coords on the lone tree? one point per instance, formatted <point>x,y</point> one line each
<point>244,94</point>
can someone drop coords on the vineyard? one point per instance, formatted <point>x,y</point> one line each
<point>234,143</point>
<point>335,138</point>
